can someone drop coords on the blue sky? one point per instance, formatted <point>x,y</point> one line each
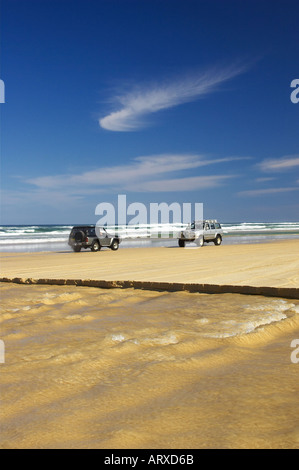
<point>164,101</point>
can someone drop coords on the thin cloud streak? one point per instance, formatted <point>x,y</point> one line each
<point>182,184</point>
<point>262,192</point>
<point>264,180</point>
<point>285,163</point>
<point>135,105</point>
<point>141,171</point>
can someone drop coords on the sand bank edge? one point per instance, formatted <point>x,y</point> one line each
<point>286,292</point>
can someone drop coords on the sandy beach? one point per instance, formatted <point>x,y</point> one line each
<point>129,368</point>
<point>274,264</point>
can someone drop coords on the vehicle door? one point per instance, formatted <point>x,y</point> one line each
<point>199,229</point>
<point>208,233</point>
<point>103,237</point>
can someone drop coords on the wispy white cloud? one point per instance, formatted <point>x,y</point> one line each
<point>264,180</point>
<point>131,107</point>
<point>192,183</point>
<point>263,192</point>
<point>275,166</point>
<point>138,169</point>
<point>142,172</point>
<point>280,164</point>
<point>39,196</point>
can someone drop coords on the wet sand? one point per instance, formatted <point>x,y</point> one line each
<point>131,368</point>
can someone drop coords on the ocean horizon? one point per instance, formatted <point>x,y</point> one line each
<point>54,237</point>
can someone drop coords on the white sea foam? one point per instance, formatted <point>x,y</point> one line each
<point>261,227</point>
<point>53,237</point>
<point>31,241</point>
<point>118,338</point>
<point>249,319</point>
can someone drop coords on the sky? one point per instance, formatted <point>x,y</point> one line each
<point>188,101</point>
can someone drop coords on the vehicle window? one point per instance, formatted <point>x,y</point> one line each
<point>217,225</point>
<point>102,232</point>
<point>193,226</point>
<point>207,227</point>
<point>212,226</point>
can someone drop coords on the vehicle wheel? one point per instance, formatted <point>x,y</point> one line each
<point>79,237</point>
<point>77,249</point>
<point>95,246</point>
<point>114,245</point>
<point>218,240</point>
<point>181,243</point>
<point>200,241</point>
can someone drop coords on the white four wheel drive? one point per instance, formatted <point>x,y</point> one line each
<point>200,232</point>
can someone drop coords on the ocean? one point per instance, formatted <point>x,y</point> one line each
<point>34,238</point>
